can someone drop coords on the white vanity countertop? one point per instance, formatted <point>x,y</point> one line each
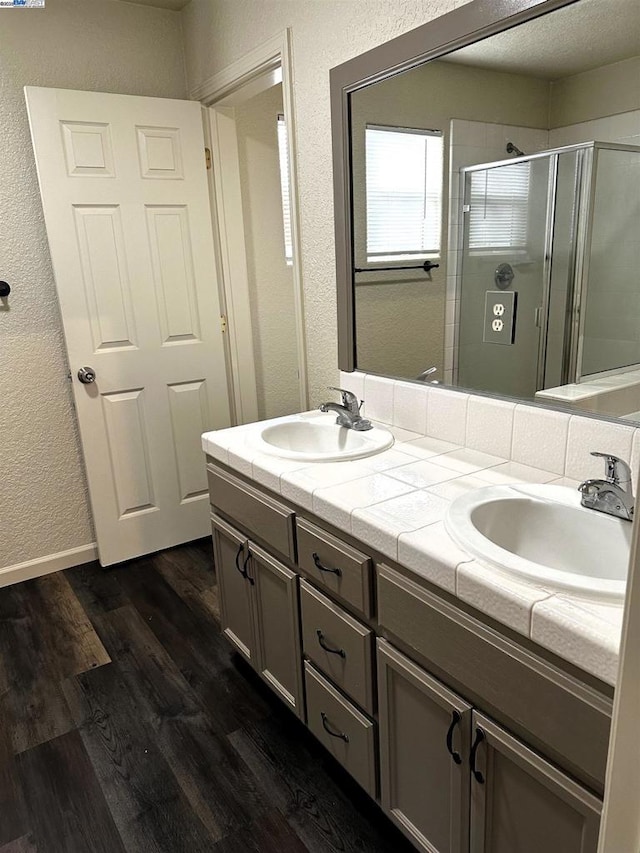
<point>395,501</point>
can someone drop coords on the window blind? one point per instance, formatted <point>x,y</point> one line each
<point>283,154</point>
<point>404,191</point>
<point>499,207</point>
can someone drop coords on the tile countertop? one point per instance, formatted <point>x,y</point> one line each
<point>395,501</point>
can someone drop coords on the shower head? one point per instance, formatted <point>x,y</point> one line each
<point>513,149</point>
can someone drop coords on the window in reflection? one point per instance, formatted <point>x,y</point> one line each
<point>404,192</point>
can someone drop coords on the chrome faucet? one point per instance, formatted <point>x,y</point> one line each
<point>348,412</point>
<point>422,377</point>
<point>613,494</point>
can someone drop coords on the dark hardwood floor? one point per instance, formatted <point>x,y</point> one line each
<point>127,724</point>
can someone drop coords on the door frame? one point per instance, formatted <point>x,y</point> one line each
<point>265,66</point>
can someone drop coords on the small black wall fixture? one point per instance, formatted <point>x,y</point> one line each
<point>5,290</point>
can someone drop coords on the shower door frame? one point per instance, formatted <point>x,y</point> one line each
<point>579,256</point>
<point>583,258</point>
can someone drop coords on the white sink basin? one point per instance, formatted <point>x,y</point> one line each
<point>543,534</point>
<point>320,440</point>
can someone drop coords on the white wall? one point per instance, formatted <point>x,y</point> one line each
<point>270,278</point>
<point>78,44</point>
<point>325,33</point>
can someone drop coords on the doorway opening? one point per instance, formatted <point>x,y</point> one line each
<point>249,120</point>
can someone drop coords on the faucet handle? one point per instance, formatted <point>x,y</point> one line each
<point>617,470</point>
<point>349,399</point>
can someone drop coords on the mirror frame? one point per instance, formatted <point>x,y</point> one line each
<point>463,26</point>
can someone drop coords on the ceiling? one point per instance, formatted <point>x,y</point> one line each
<point>565,42</point>
<point>176,5</point>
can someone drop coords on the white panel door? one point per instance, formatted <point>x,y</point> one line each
<point>125,197</point>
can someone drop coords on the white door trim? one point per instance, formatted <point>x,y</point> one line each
<point>246,76</point>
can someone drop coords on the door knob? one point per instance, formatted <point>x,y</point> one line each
<point>87,375</point>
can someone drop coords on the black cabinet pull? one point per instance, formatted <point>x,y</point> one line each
<point>321,640</point>
<point>245,573</point>
<point>455,719</point>
<point>243,568</point>
<point>322,568</point>
<point>472,757</point>
<point>329,731</point>
<point>240,550</point>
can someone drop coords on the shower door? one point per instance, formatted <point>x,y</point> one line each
<point>508,220</point>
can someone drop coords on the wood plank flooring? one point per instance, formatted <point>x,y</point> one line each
<point>127,724</point>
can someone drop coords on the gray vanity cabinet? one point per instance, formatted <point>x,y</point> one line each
<point>276,615</point>
<point>236,612</point>
<point>522,804</point>
<point>260,611</point>
<point>455,781</point>
<point>424,749</point>
<point>450,778</point>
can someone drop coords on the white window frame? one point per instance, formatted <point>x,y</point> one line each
<point>285,188</point>
<point>423,253</point>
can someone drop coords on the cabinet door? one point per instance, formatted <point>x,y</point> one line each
<point>231,553</point>
<point>522,804</point>
<point>424,748</point>
<point>277,626</point>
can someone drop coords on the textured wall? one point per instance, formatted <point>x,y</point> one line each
<point>76,44</point>
<point>270,279</point>
<point>325,33</point>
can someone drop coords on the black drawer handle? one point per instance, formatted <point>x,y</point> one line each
<point>455,719</point>
<point>322,568</point>
<point>321,640</point>
<point>329,731</point>
<point>480,736</point>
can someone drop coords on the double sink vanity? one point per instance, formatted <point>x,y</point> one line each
<point>346,561</point>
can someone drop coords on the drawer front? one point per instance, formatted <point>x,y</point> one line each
<point>496,674</point>
<point>335,566</point>
<point>339,645</point>
<point>341,728</point>
<point>262,517</point>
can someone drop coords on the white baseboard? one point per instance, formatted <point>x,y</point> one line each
<point>46,565</point>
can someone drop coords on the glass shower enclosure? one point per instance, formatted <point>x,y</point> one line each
<point>550,253</point>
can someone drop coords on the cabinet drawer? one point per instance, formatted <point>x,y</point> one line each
<point>262,517</point>
<point>337,567</point>
<point>338,644</point>
<point>341,728</point>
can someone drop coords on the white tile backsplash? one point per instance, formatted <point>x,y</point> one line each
<point>540,444</point>
<point>447,415</point>
<point>410,407</point>
<point>353,382</point>
<point>378,398</point>
<point>588,434</point>
<point>540,438</point>
<point>490,425</point>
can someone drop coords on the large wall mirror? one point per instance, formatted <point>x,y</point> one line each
<point>487,173</point>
